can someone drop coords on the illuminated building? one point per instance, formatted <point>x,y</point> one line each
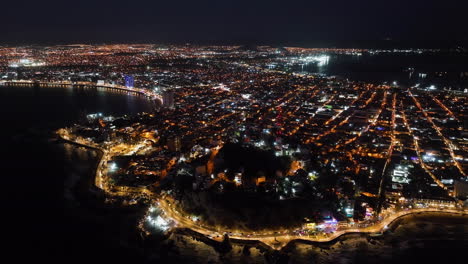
<point>238,179</point>
<point>174,144</point>
<point>260,180</point>
<point>129,81</point>
<point>347,208</point>
<point>400,175</point>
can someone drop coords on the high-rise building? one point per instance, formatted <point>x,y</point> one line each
<point>168,99</point>
<point>129,81</point>
<point>347,208</point>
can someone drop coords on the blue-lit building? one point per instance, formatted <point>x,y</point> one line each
<point>129,81</point>
<point>347,207</point>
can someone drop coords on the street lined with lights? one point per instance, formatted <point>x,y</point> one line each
<point>351,150</point>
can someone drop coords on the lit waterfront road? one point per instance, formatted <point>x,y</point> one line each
<point>149,93</point>
<point>285,237</point>
<point>276,240</point>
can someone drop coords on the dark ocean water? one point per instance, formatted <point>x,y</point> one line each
<point>441,70</point>
<point>37,172</point>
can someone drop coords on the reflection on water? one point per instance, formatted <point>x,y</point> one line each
<point>44,107</point>
<point>31,114</point>
<point>438,69</point>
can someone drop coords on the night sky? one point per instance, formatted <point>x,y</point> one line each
<point>313,23</point>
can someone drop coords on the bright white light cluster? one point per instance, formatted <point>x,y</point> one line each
<point>113,166</point>
<point>158,222</point>
<point>321,60</point>
<point>26,63</point>
<point>155,222</point>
